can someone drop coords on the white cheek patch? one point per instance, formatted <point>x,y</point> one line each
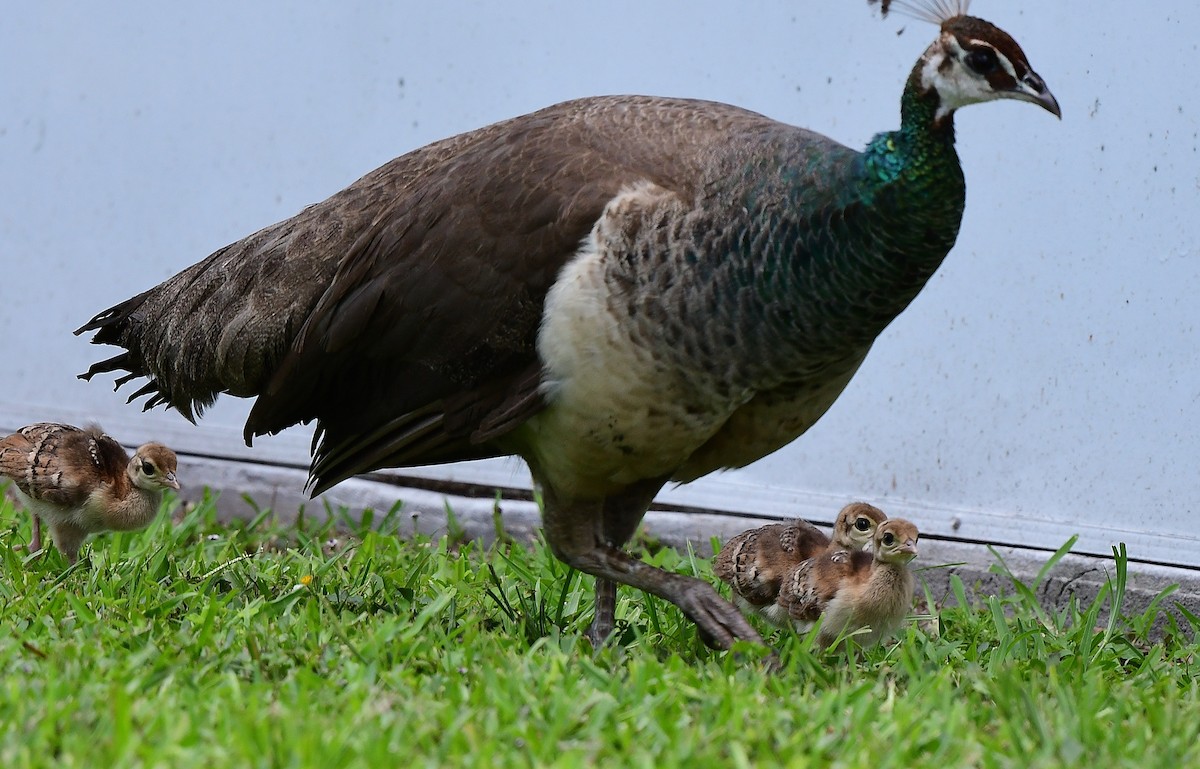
<point>956,84</point>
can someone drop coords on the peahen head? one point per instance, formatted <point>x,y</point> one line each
<point>972,61</point>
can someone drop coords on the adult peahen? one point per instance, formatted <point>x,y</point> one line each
<point>622,290</point>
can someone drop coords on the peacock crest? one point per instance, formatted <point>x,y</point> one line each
<point>933,11</point>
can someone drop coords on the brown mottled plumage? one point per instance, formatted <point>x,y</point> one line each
<point>755,562</point>
<point>623,291</point>
<point>871,591</point>
<point>80,482</point>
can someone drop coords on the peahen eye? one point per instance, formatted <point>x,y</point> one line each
<point>147,468</point>
<point>862,524</point>
<point>889,539</point>
<point>982,61</point>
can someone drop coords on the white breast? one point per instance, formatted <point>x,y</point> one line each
<point>617,410</point>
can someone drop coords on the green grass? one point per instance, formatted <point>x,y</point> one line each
<point>202,645</point>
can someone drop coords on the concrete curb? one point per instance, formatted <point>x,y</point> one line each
<point>424,511</point>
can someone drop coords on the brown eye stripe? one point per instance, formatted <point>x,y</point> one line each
<point>974,34</point>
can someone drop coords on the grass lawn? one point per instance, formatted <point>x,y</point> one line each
<point>201,645</point>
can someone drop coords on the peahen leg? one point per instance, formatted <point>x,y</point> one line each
<point>606,609</point>
<point>621,516</point>
<point>576,534</point>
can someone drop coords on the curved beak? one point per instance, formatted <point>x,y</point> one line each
<point>1033,89</point>
<point>909,547</point>
<point>171,481</point>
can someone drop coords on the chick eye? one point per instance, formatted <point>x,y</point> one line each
<point>982,61</point>
<point>147,468</point>
<point>862,524</point>
<point>889,538</point>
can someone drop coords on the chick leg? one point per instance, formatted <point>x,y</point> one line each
<point>35,540</point>
<point>68,538</point>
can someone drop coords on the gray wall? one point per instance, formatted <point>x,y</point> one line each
<point>1044,384</point>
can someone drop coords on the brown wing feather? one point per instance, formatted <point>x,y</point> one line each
<point>16,451</point>
<point>755,562</point>
<point>411,299</point>
<point>61,464</point>
<point>810,587</point>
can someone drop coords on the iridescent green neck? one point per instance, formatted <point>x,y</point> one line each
<point>923,143</point>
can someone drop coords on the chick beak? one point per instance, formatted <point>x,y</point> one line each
<point>909,548</point>
<point>170,480</point>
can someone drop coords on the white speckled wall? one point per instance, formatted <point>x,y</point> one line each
<point>1045,383</point>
